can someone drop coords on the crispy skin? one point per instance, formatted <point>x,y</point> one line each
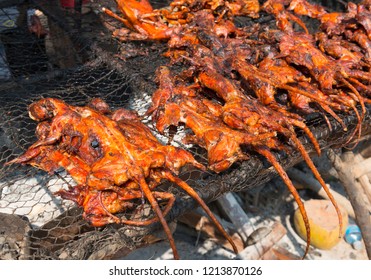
<point>364,18</point>
<point>237,113</point>
<point>283,17</point>
<point>221,8</point>
<point>361,39</point>
<point>335,47</point>
<point>174,105</point>
<point>300,50</point>
<point>101,205</point>
<point>303,7</point>
<point>280,71</point>
<point>285,70</point>
<point>139,16</point>
<point>222,143</point>
<point>114,159</point>
<point>246,113</point>
<point>151,24</point>
<point>327,72</point>
<point>238,94</point>
<point>249,8</point>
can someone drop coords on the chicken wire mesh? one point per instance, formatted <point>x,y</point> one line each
<point>75,59</point>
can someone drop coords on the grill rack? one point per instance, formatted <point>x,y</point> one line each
<point>93,68</point>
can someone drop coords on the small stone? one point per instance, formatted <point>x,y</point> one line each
<point>14,241</point>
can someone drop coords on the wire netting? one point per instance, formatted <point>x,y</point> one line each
<point>76,59</point>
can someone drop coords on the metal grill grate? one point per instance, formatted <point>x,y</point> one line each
<point>76,61</point>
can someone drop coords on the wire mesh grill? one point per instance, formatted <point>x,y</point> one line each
<point>77,60</point>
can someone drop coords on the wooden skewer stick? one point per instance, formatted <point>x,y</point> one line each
<point>345,170</point>
<point>237,215</point>
<point>361,168</point>
<point>256,251</point>
<point>244,227</point>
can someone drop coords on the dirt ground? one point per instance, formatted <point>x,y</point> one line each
<point>207,249</point>
<point>264,205</point>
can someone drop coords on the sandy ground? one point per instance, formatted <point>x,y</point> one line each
<point>207,249</point>
<point>272,203</point>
